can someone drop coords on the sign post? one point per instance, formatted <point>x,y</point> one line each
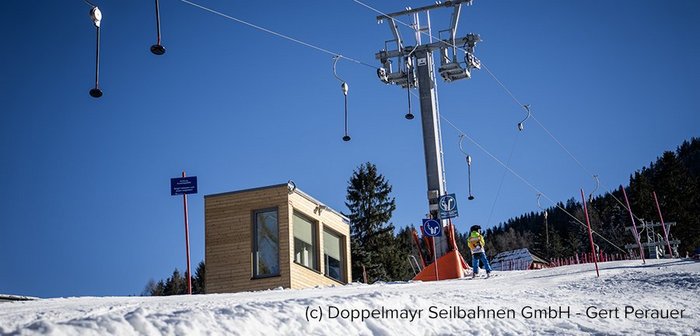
<point>183,186</point>
<point>433,228</point>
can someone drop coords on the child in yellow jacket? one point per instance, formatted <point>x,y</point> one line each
<point>476,245</point>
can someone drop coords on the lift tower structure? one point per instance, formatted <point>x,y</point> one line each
<point>416,68</point>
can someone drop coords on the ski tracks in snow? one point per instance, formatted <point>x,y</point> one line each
<point>656,285</point>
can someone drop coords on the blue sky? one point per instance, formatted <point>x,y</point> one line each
<point>86,208</point>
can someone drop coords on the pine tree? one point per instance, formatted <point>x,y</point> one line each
<point>689,154</point>
<point>399,268</point>
<point>176,284</point>
<point>153,288</point>
<point>556,247</point>
<point>461,238</point>
<point>198,282</point>
<point>160,288</point>
<point>372,236</point>
<point>613,224</point>
<point>678,191</point>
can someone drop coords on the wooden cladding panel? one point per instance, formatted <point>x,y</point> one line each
<point>228,239</point>
<point>322,218</point>
<point>303,277</point>
<point>229,234</point>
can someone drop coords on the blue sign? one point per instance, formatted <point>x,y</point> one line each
<point>432,228</point>
<point>183,185</point>
<point>448,206</point>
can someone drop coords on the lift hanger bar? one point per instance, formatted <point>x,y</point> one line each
<point>421,9</point>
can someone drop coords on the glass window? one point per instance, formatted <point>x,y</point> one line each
<point>266,260</point>
<point>333,253</point>
<point>305,241</point>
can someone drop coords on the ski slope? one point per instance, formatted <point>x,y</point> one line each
<point>569,300</point>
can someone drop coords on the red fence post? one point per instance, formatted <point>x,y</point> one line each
<point>670,252</point>
<point>636,234</point>
<point>590,233</point>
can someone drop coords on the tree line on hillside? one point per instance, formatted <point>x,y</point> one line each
<point>382,254</point>
<point>176,284</point>
<point>674,176</point>
<point>379,253</point>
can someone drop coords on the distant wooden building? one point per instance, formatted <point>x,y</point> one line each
<point>521,259</point>
<point>270,237</point>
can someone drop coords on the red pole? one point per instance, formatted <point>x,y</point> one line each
<point>590,233</point>
<point>663,226</point>
<point>636,234</point>
<point>437,277</point>
<point>187,243</point>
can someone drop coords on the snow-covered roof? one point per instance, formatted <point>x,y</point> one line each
<point>519,255</point>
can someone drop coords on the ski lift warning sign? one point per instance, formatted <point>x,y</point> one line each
<point>432,228</point>
<point>448,206</point>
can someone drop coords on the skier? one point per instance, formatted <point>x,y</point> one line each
<point>476,245</point>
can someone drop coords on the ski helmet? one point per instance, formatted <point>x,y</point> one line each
<point>475,228</point>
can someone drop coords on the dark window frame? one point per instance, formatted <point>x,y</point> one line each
<point>316,242</point>
<point>343,255</point>
<point>254,242</point>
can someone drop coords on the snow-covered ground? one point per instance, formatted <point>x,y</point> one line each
<point>661,297</point>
